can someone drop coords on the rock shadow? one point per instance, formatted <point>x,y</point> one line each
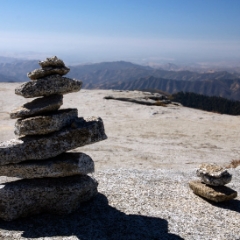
<point>94,220</point>
<point>233,205</point>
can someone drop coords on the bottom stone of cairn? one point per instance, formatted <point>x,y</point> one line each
<point>213,193</point>
<point>53,195</point>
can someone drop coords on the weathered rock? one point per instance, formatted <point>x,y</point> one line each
<point>45,124</point>
<point>54,84</point>
<point>213,193</point>
<point>52,195</point>
<point>80,133</point>
<point>52,62</point>
<point>66,164</point>
<point>38,106</point>
<point>41,73</point>
<point>214,175</point>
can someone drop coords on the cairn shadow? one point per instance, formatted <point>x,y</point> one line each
<point>233,205</point>
<point>95,220</point>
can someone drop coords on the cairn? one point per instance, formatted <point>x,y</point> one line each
<point>52,180</point>
<point>211,183</point>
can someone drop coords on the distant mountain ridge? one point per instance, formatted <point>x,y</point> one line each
<point>127,75</point>
<point>227,88</point>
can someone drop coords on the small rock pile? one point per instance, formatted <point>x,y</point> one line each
<point>211,186</point>
<point>52,180</point>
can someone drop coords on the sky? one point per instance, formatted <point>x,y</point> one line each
<point>80,31</point>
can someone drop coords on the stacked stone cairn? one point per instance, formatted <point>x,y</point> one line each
<point>51,179</point>
<point>211,183</point>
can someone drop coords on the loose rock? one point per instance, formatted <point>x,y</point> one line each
<point>48,86</point>
<point>41,73</point>
<point>52,195</point>
<point>213,193</point>
<point>38,106</point>
<point>66,164</point>
<point>47,123</point>
<point>52,62</point>
<point>214,175</point>
<point>82,132</point>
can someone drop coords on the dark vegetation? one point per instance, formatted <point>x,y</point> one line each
<point>212,104</point>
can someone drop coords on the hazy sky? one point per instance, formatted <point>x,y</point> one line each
<point>134,30</point>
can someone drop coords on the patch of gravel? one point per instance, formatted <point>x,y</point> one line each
<point>136,204</point>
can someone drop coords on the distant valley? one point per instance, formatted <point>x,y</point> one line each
<point>129,76</point>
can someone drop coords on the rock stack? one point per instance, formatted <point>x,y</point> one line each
<point>52,180</point>
<point>211,183</point>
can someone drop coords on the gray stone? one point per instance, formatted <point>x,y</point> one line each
<point>41,73</point>
<point>80,133</point>
<point>38,106</point>
<point>214,175</point>
<point>54,84</point>
<point>66,164</point>
<point>213,193</point>
<point>45,195</point>
<point>52,62</point>
<point>45,124</point>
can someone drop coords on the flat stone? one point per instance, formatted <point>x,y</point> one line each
<point>214,175</point>
<point>45,195</point>
<point>38,106</point>
<point>66,164</point>
<point>45,124</point>
<point>41,73</point>
<point>213,193</point>
<point>54,84</point>
<point>52,62</point>
<point>80,133</point>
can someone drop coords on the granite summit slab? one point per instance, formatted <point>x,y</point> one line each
<point>38,106</point>
<point>81,132</point>
<point>50,85</point>
<point>45,124</point>
<point>66,164</point>
<point>45,195</point>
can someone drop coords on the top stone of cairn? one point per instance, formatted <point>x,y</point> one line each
<point>52,62</point>
<point>214,175</point>
<point>50,66</point>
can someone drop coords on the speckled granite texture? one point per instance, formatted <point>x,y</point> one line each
<point>41,73</point>
<point>54,195</point>
<point>45,124</point>
<point>80,133</point>
<point>54,84</point>
<point>38,106</point>
<point>65,164</point>
<point>214,175</point>
<point>52,62</point>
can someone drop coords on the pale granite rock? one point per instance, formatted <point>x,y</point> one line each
<point>50,85</point>
<point>41,73</point>
<point>65,164</point>
<point>52,62</point>
<point>214,175</point>
<point>213,193</point>
<point>80,133</point>
<point>52,195</point>
<point>38,106</point>
<point>45,124</point>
